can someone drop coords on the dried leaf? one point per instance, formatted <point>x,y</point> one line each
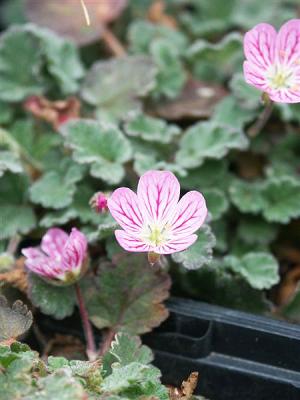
<point>53,112</point>
<point>67,17</point>
<point>187,388</point>
<point>157,14</point>
<point>14,320</point>
<point>17,277</point>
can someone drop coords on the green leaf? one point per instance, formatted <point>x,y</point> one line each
<point>56,188</point>
<point>217,202</point>
<point>248,96</point>
<point>229,112</point>
<point>6,113</point>
<point>217,284</point>
<point>218,60</point>
<point>208,140</point>
<point>114,86</point>
<point>137,289</point>
<point>15,214</point>
<point>14,320</point>
<point>151,129</point>
<point>171,75</point>
<point>246,196</point>
<point>10,162</point>
<point>145,162</point>
<point>255,230</point>
<point>100,145</point>
<point>19,79</point>
<point>142,33</point>
<point>56,301</point>
<point>200,253</point>
<point>259,269</point>
<point>126,349</point>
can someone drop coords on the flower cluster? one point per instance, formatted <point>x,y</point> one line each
<point>273,60</point>
<point>61,257</point>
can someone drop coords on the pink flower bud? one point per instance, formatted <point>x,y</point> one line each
<point>61,258</point>
<point>99,202</point>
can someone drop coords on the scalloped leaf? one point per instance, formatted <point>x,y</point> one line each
<point>217,202</point>
<point>56,188</point>
<point>208,140</point>
<point>218,60</point>
<point>229,112</point>
<point>114,86</point>
<point>137,289</point>
<point>261,270</point>
<point>246,196</point>
<point>200,253</point>
<point>10,161</point>
<point>254,230</point>
<point>15,214</point>
<point>57,301</point>
<point>14,320</point>
<point>151,129</point>
<point>102,146</point>
<point>248,96</point>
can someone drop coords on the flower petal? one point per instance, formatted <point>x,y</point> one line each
<point>259,45</point>
<point>158,194</point>
<point>288,42</point>
<point>123,206</point>
<point>285,95</point>
<point>37,262</point>
<point>130,242</point>
<point>178,244</point>
<point>190,214</point>
<point>75,251</point>
<point>255,76</point>
<point>53,242</point>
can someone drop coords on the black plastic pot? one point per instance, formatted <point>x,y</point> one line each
<point>239,356</point>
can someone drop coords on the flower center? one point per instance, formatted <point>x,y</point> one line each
<point>156,234</point>
<point>280,77</point>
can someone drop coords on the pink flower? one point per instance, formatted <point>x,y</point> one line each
<point>154,220</point>
<point>61,257</point>
<point>99,202</point>
<point>273,60</point>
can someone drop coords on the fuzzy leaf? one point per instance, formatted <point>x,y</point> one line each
<point>246,196</point>
<point>208,140</point>
<point>151,129</point>
<point>171,75</point>
<point>56,188</point>
<point>56,301</point>
<point>126,349</point>
<point>254,230</point>
<point>114,86</point>
<point>259,269</point>
<point>216,61</point>
<point>16,215</point>
<point>229,112</point>
<point>137,290</point>
<point>248,96</point>
<point>10,162</point>
<point>217,202</point>
<point>200,253</point>
<point>102,146</point>
<point>14,320</point>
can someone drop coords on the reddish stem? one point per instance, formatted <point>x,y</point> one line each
<point>261,120</point>
<point>108,338</point>
<point>113,43</point>
<point>87,327</point>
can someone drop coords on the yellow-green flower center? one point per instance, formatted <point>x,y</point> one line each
<point>156,234</point>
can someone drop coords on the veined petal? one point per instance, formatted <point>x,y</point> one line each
<point>190,214</point>
<point>124,207</point>
<point>53,242</point>
<point>259,45</point>
<point>75,250</point>
<point>131,242</point>
<point>288,42</point>
<point>37,262</point>
<point>175,245</point>
<point>255,76</point>
<point>158,194</point>
<point>285,96</point>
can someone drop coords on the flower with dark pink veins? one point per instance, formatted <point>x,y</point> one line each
<point>99,202</point>
<point>61,258</point>
<point>154,220</point>
<point>273,60</point>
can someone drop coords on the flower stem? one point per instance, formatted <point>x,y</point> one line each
<point>13,244</point>
<point>261,121</point>
<point>87,327</point>
<point>107,339</point>
<point>113,43</point>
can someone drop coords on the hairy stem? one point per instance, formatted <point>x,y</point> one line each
<point>87,327</point>
<point>261,121</point>
<point>106,342</point>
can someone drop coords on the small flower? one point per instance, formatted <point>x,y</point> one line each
<point>273,60</point>
<point>154,220</point>
<point>61,257</point>
<point>99,202</point>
